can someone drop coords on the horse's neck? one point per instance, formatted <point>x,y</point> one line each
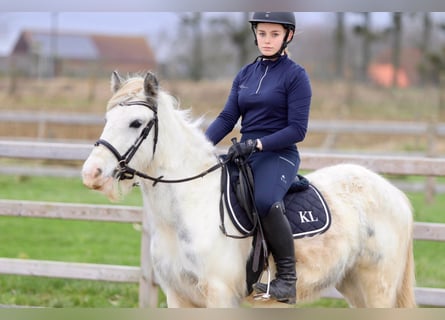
<point>182,148</point>
<point>182,152</point>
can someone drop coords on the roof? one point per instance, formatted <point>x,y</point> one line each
<point>85,46</point>
<point>383,73</point>
<point>118,48</point>
<point>67,46</point>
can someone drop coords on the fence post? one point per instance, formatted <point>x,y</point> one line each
<point>41,128</point>
<point>430,184</point>
<point>148,290</point>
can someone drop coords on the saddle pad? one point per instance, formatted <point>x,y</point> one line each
<point>306,210</point>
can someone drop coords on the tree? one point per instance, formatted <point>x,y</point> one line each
<point>397,35</point>
<point>240,35</point>
<point>365,32</point>
<point>425,45</point>
<point>368,38</point>
<point>340,45</point>
<point>433,61</point>
<point>194,21</point>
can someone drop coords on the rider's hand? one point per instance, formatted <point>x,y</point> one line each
<point>242,149</point>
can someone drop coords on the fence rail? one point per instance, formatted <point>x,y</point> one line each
<point>335,126</point>
<point>10,116</point>
<point>332,129</point>
<point>412,165</point>
<point>143,274</point>
<point>69,270</point>
<point>132,214</point>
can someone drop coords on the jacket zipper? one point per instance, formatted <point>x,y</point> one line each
<point>261,80</point>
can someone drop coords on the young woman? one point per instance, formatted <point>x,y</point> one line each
<point>272,96</point>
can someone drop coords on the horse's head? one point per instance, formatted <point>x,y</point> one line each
<point>128,140</point>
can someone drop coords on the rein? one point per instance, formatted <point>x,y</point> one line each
<point>123,171</point>
<point>160,178</point>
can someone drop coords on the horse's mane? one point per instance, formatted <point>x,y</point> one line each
<point>132,88</point>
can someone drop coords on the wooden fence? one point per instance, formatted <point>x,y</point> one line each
<point>332,129</point>
<point>87,271</point>
<point>143,273</point>
<point>430,132</point>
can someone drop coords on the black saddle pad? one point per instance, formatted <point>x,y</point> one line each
<point>306,209</point>
<point>307,212</point>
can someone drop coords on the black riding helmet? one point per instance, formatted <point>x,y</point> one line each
<point>286,19</point>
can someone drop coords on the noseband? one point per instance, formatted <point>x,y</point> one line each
<point>123,171</point>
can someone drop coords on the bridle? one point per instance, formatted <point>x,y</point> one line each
<point>123,171</point>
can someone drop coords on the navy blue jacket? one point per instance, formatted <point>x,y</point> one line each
<point>273,98</point>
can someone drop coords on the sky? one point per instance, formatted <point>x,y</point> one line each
<point>149,24</point>
<point>226,5</point>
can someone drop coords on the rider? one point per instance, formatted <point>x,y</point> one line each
<point>272,96</point>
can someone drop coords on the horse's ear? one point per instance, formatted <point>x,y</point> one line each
<point>151,85</point>
<point>116,81</point>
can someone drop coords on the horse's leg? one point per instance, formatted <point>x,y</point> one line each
<point>220,295</point>
<point>389,284</point>
<point>175,301</point>
<point>351,290</point>
<point>216,295</point>
<point>371,286</point>
<point>380,290</point>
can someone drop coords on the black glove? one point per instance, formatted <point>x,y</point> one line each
<point>242,149</point>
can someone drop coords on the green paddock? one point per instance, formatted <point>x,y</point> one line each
<point>119,243</point>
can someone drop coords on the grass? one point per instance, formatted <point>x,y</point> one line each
<point>62,293</point>
<point>61,240</point>
<point>119,243</point>
<point>55,189</point>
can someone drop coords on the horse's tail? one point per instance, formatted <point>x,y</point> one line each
<point>405,293</point>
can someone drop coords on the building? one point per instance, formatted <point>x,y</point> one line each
<point>43,54</point>
<point>381,71</point>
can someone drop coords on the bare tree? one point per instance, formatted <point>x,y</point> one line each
<point>369,37</point>
<point>365,32</point>
<point>425,45</point>
<point>240,35</point>
<point>396,45</point>
<point>433,64</point>
<point>339,44</point>
<point>194,21</point>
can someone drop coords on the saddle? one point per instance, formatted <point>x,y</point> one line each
<point>305,208</point>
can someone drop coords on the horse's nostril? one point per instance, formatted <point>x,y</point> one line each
<point>98,172</point>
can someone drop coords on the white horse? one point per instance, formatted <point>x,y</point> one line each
<point>366,254</point>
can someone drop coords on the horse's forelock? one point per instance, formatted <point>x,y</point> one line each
<point>134,88</point>
<point>131,88</point>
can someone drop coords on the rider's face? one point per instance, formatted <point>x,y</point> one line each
<point>270,37</point>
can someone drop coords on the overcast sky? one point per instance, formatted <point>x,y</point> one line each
<point>147,24</point>
<point>150,24</point>
<point>226,5</point>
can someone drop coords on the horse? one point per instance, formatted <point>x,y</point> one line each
<point>149,141</point>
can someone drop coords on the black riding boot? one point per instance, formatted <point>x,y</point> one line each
<point>280,242</point>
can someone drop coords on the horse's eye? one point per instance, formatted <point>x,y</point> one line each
<point>136,124</point>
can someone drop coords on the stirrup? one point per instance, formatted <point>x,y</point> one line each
<point>265,296</point>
